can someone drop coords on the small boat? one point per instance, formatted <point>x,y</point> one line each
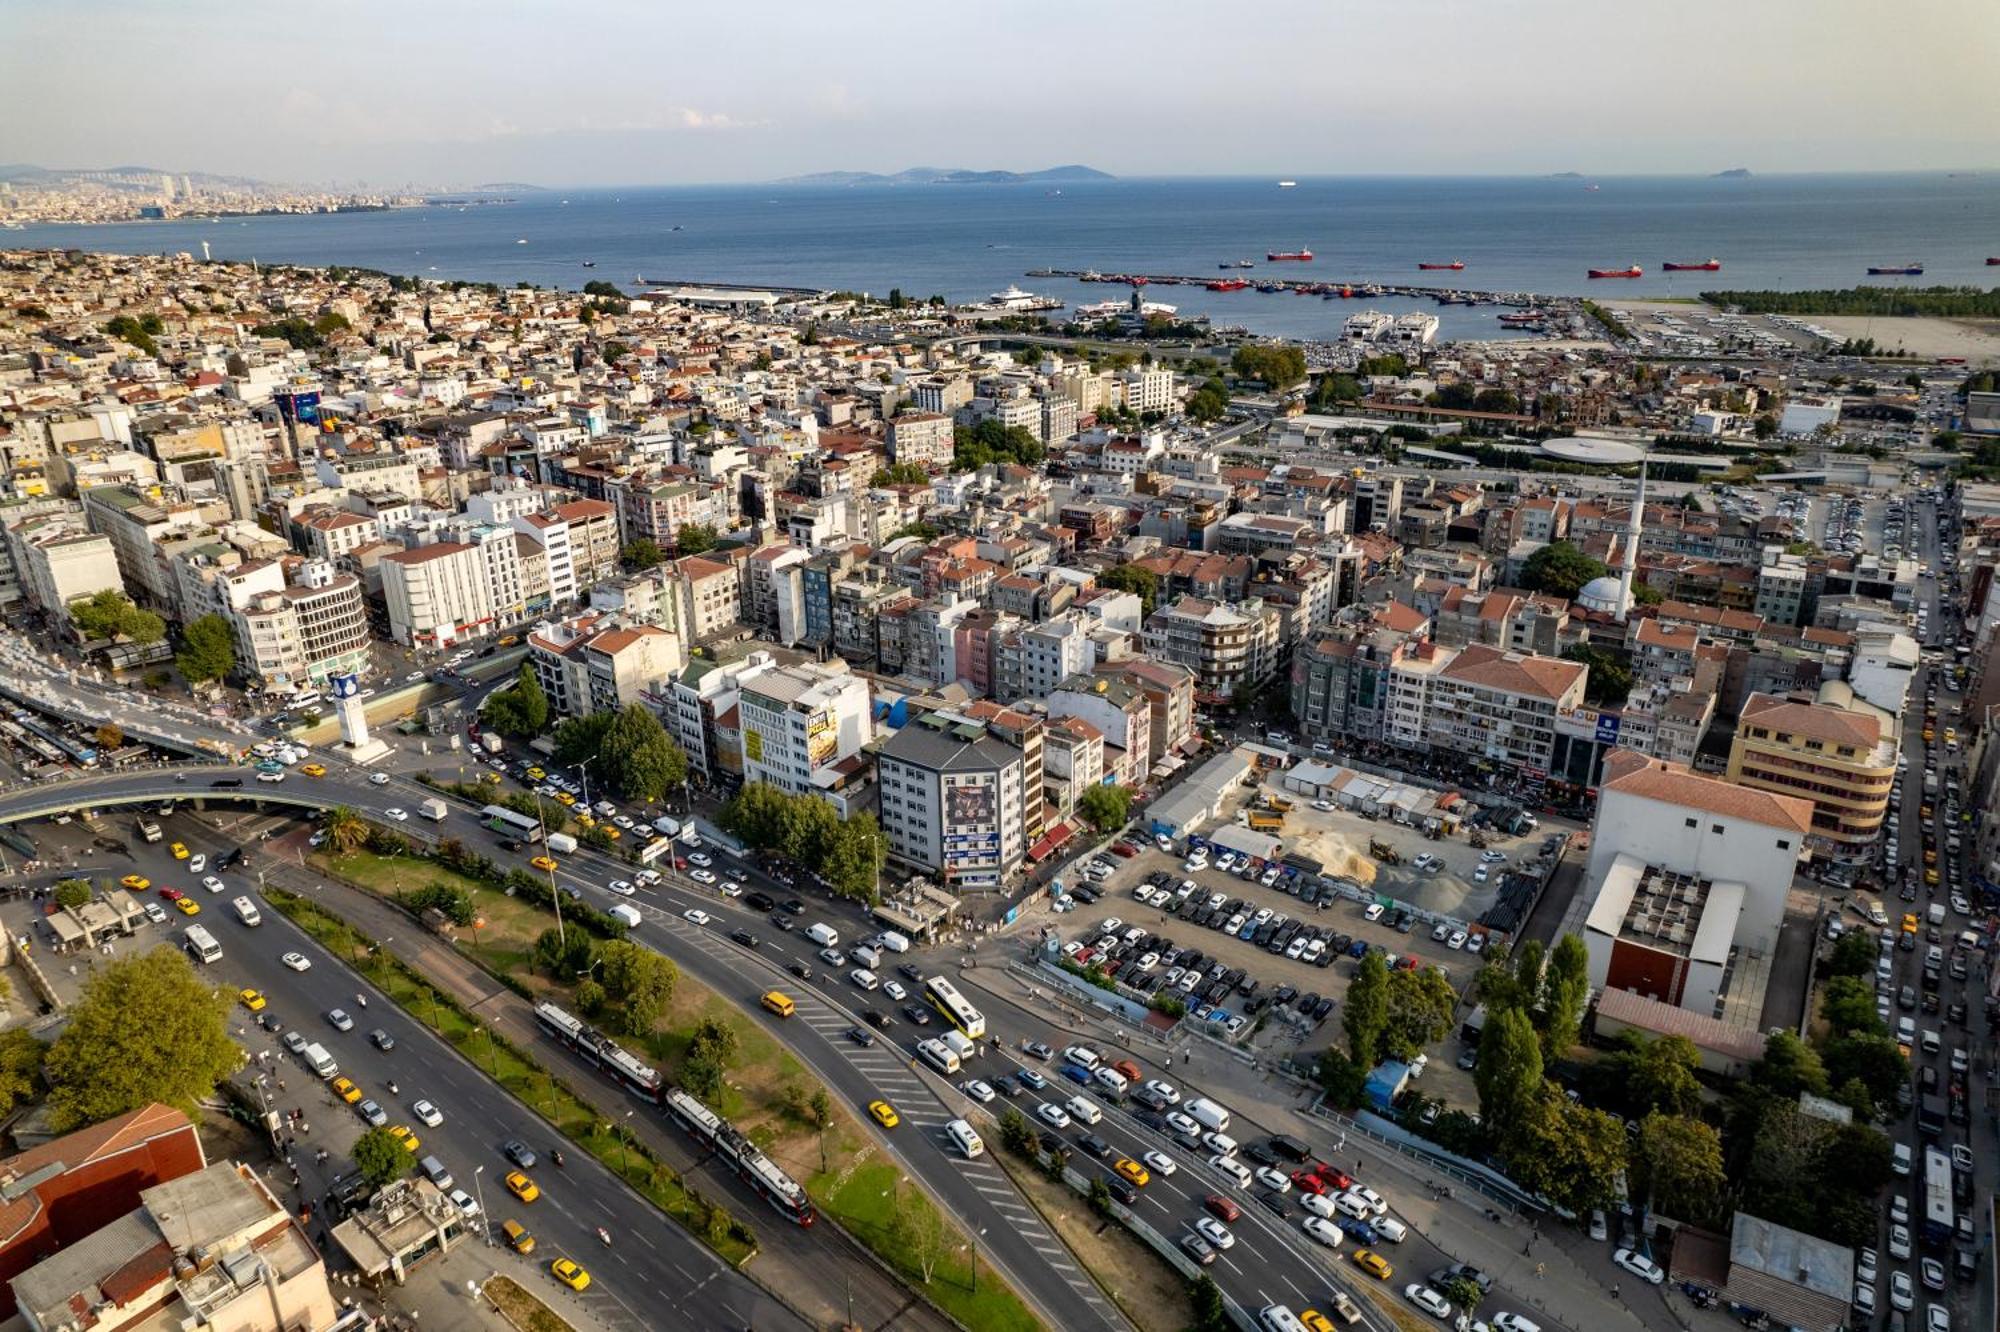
<point>1288,184</point>
<point>1454,266</point>
<point>673,228</point>
<point>1705,266</point>
<point>522,241</point>
<point>1632,272</point>
<point>1246,263</point>
<point>590,263</point>
<point>1896,270</point>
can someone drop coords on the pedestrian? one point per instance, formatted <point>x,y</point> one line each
<point>1540,1268</point>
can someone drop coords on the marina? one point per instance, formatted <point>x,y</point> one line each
<point>1331,290</point>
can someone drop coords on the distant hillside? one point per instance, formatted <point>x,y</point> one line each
<point>1734,173</point>
<point>949,176</point>
<point>506,187</point>
<point>23,173</point>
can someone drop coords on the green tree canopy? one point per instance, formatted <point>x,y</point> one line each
<point>1136,579</point>
<point>207,651</point>
<point>1610,679</point>
<point>1208,402</point>
<point>380,1158</point>
<point>578,739</point>
<point>564,954</point>
<point>1107,806</point>
<point>1420,1008</point>
<point>1848,1003</point>
<point>973,447</point>
<point>1659,1076</point>
<point>1560,570</point>
<point>1278,365</point>
<point>522,709</point>
<point>109,613</point>
<point>145,1029</point>
<point>74,892</point>
<point>901,474</point>
<point>1678,1165</point>
<point>806,830</point>
<point>635,755</point>
<point>1789,1066</point>
<point>695,538</point>
<point>639,984</point>
<point>710,1052</point>
<point>21,1060</point>
<point>1509,1071</point>
<point>1565,991</point>
<point>1569,1152</point>
<point>1871,1058</point>
<point>1367,1016</point>
<point>642,553</point>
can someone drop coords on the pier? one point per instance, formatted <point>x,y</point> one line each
<point>1326,287</point>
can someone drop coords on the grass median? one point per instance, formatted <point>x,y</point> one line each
<point>524,1078</point>
<point>521,1308</point>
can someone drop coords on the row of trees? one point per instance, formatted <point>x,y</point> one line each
<point>1944,302</point>
<point>629,751</point>
<point>973,447</point>
<point>807,830</point>
<point>1279,366</point>
<point>110,614</point>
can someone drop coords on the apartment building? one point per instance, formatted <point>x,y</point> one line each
<point>1833,750</point>
<point>1120,712</point>
<point>1340,681</point>
<point>327,533</point>
<point>437,595</point>
<point>593,535</point>
<point>703,714</point>
<point>1169,691</point>
<point>923,438</point>
<point>1224,646</point>
<point>1073,762</point>
<point>58,561</point>
<point>300,635</point>
<point>951,801</point>
<point>710,596</point>
<point>592,663</point>
<point>137,522</point>
<point>1502,706</point>
<point>799,723</point>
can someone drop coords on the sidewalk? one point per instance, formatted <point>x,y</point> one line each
<point>816,1290</point>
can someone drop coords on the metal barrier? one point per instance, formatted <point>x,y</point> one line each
<point>1488,1182</point>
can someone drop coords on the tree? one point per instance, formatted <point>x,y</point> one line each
<point>709,1053</point>
<point>1569,1152</point>
<point>1659,1076</point>
<point>901,474</point>
<point>1210,1314</point>
<point>637,756</point>
<point>381,1158</point>
<point>109,735</point>
<point>1342,1079</point>
<point>1765,426</point>
<point>640,982</point>
<point>1279,366</point>
<point>520,710</point>
<point>1853,955</point>
<point>1107,806</point>
<point>1509,1071</point>
<point>73,893</point>
<point>1336,388</point>
<point>109,613</point>
<point>1678,1165</point>
<point>21,1057</point>
<point>1848,1005</point>
<point>1610,679</point>
<point>1870,1058</point>
<point>1367,1017</point>
<point>1135,579</point>
<point>921,1231</point>
<point>1560,569</point>
<point>1462,1292</point>
<point>133,331</point>
<point>145,1029</point>
<point>346,831</point>
<point>694,538</point>
<point>973,447</point>
<point>642,553</point>
<point>451,903</point>
<point>851,855</point>
<point>564,954</point>
<point>1789,1066</point>
<point>1420,1007</point>
<point>1565,991</point>
<point>579,739</point>
<point>1208,402</point>
<point>208,650</point>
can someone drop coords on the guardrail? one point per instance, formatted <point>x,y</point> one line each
<point>1488,1183</point>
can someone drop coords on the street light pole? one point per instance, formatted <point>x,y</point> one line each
<point>486,1228</point>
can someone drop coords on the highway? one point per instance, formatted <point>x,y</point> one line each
<point>1013,1241</point>
<point>647,1253</point>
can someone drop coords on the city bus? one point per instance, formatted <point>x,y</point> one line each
<point>951,1006</point>
<point>504,820</point>
<point>1938,1215</point>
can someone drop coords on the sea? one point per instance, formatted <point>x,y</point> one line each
<point>967,241</point>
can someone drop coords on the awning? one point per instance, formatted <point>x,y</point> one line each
<point>1052,839</point>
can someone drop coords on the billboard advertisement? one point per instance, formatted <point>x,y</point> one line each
<point>822,738</point>
<point>344,686</point>
<point>970,803</point>
<point>753,745</point>
<point>301,408</point>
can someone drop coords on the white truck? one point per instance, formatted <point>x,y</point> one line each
<point>491,742</point>
<point>1208,1114</point>
<point>246,911</point>
<point>433,809</point>
<point>667,826</point>
<point>562,843</point>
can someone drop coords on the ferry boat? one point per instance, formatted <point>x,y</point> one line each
<point>1013,298</point>
<point>1632,272</point>
<point>1896,270</point>
<point>1296,256</point>
<point>1454,266</point>
<point>1705,266</point>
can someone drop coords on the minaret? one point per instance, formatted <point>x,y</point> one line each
<point>1630,564</point>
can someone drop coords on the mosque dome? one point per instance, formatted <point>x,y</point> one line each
<point>1604,594</point>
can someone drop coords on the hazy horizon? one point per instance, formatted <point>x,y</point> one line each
<point>450,93</point>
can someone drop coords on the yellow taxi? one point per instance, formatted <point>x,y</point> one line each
<point>884,1114</point>
<point>1373,1264</point>
<point>188,906</point>
<point>571,1274</point>
<point>180,851</point>
<point>1931,878</point>
<point>251,999</point>
<point>402,1134</point>
<point>522,1187</point>
<point>345,1089</point>
<point>490,778</point>
<point>565,798</point>
<point>136,882</point>
<point>611,832</point>
<point>517,1237</point>
<point>1950,736</point>
<point>1135,1174</point>
<point>1315,1321</point>
<point>314,770</point>
<point>1929,735</point>
<point>543,863</point>
<point>585,821</point>
<point>1930,855</point>
<point>1926,810</point>
<point>537,773</point>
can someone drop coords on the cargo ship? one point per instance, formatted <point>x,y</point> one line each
<point>1895,270</point>
<point>1454,266</point>
<point>1706,266</point>
<point>1632,272</point>
<point>1991,262</point>
<point>1297,256</point>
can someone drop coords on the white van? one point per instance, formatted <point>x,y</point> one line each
<point>939,1056</point>
<point>1083,1108</point>
<point>959,1044</point>
<point>894,942</point>
<point>867,955</point>
<point>1233,1168</point>
<point>626,912</point>
<point>863,978</point>
<point>963,1138</point>
<point>824,935</point>
<point>319,1061</point>
<point>1082,1056</point>
<point>1277,1318</point>
<point>246,911</point>
<point>1350,1205</point>
<point>1219,1143</point>
<point>1111,1080</point>
<point>1208,1114</point>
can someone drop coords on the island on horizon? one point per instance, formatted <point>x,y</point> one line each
<point>949,176</point>
<point>1734,173</point>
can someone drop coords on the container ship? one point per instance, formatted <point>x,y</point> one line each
<point>1298,256</point>
<point>1632,272</point>
<point>1895,270</point>
<point>1705,266</point>
<point>1456,265</point>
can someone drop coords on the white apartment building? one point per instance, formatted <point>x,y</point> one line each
<point>924,438</point>
<point>701,694</point>
<point>328,534</point>
<point>1501,706</point>
<point>591,663</point>
<point>437,595</point>
<point>1224,645</point>
<point>299,635</point>
<point>710,597</point>
<point>57,562</point>
<point>552,534</point>
<point>799,722</point>
<point>951,801</point>
<point>1148,390</point>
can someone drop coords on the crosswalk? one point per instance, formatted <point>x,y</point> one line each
<point>893,1075</point>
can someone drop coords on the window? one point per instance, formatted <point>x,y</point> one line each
<point>1784,843</point>
<point>1690,822</point>
<point>1715,828</point>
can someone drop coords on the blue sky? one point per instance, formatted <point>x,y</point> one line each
<point>619,92</point>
